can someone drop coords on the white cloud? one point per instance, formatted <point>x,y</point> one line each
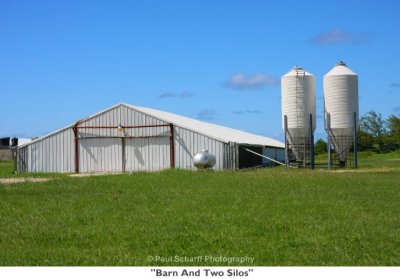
<point>186,94</point>
<point>248,111</point>
<point>206,114</point>
<point>167,95</point>
<point>241,82</point>
<point>338,36</point>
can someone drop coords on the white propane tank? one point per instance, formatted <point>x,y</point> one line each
<point>204,160</point>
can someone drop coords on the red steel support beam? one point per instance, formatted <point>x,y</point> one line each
<point>123,155</point>
<point>76,152</point>
<point>76,149</point>
<point>125,127</point>
<point>171,146</point>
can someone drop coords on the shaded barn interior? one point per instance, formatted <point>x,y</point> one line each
<point>248,159</point>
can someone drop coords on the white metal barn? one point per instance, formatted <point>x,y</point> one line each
<point>127,138</point>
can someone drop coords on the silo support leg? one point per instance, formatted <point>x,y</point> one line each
<point>311,143</point>
<point>329,141</point>
<point>286,142</point>
<point>355,141</point>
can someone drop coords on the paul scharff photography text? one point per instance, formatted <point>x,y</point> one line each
<point>198,259</point>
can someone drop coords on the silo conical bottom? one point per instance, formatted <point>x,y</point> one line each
<point>299,145</point>
<point>342,141</point>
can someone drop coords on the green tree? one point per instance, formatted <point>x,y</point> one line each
<point>320,147</point>
<point>393,124</point>
<point>365,140</point>
<point>374,125</point>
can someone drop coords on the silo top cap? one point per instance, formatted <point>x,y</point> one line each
<point>297,71</point>
<point>340,69</point>
<point>341,63</point>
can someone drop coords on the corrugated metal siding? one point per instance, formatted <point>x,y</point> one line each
<point>230,156</point>
<point>148,150</point>
<point>188,143</point>
<point>143,154</point>
<point>51,154</point>
<point>22,159</point>
<point>101,150</point>
<point>100,155</point>
<point>126,117</point>
<point>274,153</point>
<point>271,153</point>
<point>281,155</point>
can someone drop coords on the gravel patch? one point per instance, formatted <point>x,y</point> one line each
<point>16,180</point>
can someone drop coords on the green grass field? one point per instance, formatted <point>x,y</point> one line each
<point>276,216</point>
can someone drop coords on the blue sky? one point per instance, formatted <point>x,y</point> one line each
<point>219,61</point>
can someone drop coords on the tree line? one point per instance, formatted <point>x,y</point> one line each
<point>375,134</point>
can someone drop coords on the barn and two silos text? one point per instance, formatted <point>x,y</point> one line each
<point>126,138</point>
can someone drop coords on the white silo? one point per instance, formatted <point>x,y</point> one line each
<point>298,103</point>
<point>341,109</point>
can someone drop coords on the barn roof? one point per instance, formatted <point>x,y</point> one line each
<point>211,130</point>
<point>215,131</point>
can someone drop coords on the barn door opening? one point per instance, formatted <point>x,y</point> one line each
<point>247,159</point>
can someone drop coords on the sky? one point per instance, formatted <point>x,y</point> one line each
<point>217,61</point>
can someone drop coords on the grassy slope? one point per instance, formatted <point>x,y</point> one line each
<point>368,160</point>
<point>6,168</point>
<point>7,171</point>
<point>278,217</point>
